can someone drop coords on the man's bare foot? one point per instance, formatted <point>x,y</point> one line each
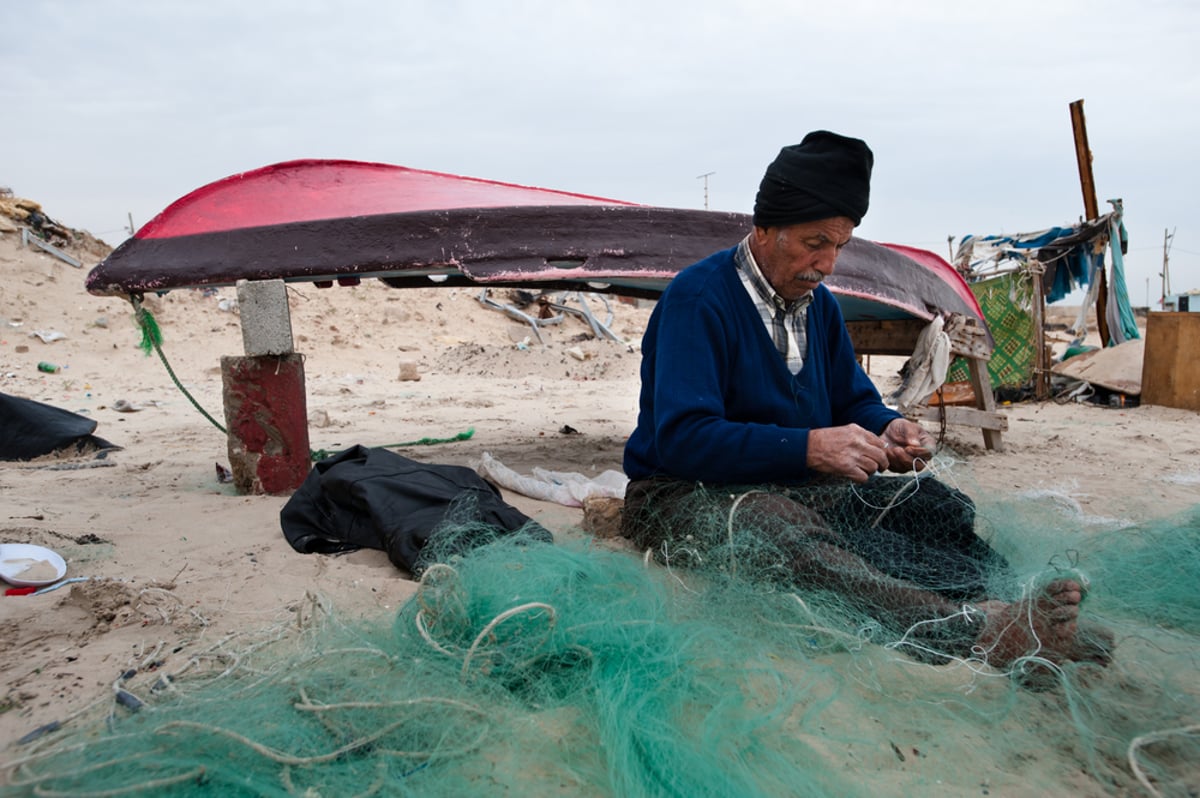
<point>1094,644</point>
<point>1091,652</point>
<point>1045,626</point>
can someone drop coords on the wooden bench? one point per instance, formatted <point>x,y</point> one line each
<point>969,340</point>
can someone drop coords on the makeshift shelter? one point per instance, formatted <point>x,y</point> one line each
<point>1013,277</point>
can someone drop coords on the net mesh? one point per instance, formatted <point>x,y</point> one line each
<point>704,664</point>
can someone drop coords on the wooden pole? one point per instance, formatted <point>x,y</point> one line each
<point>1041,385</point>
<point>1083,155</point>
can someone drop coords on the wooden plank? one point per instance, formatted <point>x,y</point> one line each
<point>1170,369</point>
<point>985,400</point>
<point>966,416</point>
<point>967,338</point>
<point>897,337</point>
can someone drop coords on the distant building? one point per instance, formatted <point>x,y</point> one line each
<point>1189,301</point>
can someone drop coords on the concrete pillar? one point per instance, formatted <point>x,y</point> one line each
<point>266,413</point>
<point>266,317</point>
<point>267,418</point>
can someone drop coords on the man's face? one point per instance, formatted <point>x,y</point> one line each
<point>796,258</point>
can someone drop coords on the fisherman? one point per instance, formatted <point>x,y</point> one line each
<point>756,415</point>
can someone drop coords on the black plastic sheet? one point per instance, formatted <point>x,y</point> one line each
<point>30,429</point>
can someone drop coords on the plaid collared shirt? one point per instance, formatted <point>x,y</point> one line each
<point>785,320</point>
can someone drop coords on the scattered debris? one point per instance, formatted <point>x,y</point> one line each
<point>553,312</point>
<point>602,516</point>
<point>409,371</point>
<point>48,336</point>
<point>28,238</point>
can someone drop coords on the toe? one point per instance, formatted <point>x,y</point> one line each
<point>1063,613</point>
<point>1067,591</point>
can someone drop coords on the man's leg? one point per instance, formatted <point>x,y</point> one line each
<point>918,530</point>
<point>1044,625</point>
<point>793,543</point>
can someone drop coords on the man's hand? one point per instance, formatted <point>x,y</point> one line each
<point>848,451</point>
<point>908,445</point>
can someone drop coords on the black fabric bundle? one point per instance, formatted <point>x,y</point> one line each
<point>30,429</point>
<point>377,499</point>
<point>824,176</point>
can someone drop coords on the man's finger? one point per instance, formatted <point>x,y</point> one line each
<point>879,458</point>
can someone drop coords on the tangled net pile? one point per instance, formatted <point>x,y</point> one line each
<point>535,669</point>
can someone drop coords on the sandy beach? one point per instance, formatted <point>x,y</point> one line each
<point>176,561</point>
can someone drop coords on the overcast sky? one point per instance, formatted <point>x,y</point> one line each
<point>117,107</point>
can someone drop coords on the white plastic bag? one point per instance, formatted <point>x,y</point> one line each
<point>560,487</point>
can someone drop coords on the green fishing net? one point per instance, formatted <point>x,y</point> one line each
<point>706,669</point>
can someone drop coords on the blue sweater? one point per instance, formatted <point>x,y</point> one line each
<point>718,404</point>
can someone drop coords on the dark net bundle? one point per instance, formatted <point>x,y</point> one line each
<point>710,664</point>
<point>859,545</point>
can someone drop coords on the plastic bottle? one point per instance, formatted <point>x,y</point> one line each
<point>49,368</point>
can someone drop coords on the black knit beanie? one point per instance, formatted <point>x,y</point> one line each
<point>824,176</point>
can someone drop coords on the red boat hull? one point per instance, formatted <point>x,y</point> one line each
<point>340,221</point>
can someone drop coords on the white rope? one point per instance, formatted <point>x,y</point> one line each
<point>729,528</point>
<point>1146,739</point>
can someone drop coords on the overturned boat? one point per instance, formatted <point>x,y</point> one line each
<point>339,221</point>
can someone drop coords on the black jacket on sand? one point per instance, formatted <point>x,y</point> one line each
<point>373,498</point>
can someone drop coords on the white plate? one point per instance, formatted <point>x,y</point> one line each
<point>26,565</point>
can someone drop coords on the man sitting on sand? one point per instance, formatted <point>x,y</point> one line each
<point>754,408</point>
